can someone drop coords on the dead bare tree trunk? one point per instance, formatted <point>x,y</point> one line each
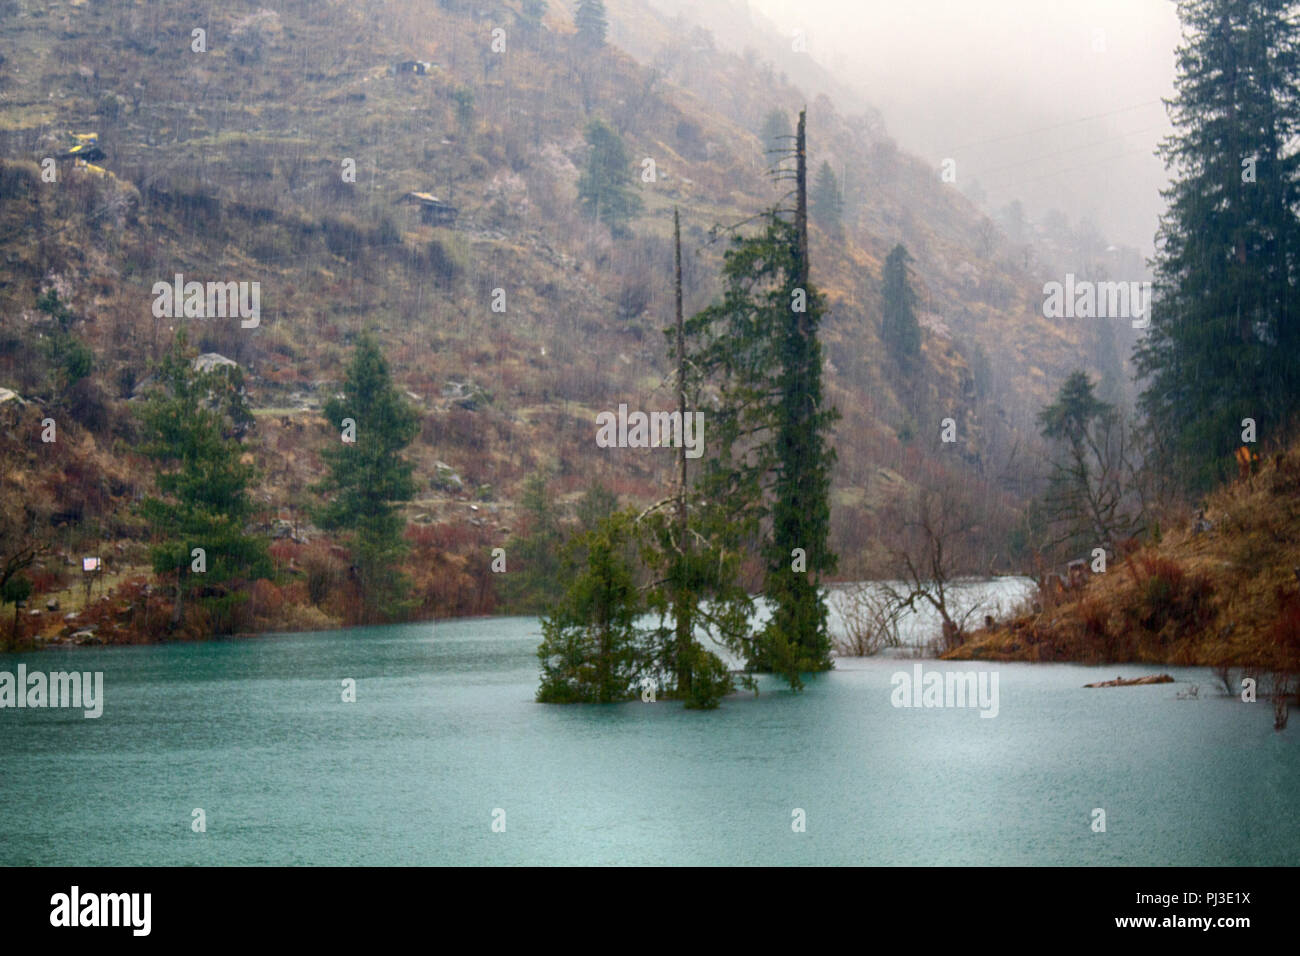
<point>801,202</point>
<point>1281,699</point>
<point>178,609</point>
<point>681,610</point>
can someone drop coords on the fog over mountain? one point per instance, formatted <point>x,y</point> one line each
<point>1057,104</point>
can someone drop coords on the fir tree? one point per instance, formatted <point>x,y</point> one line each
<point>191,425</point>
<point>591,22</point>
<point>531,13</point>
<point>592,649</point>
<point>605,189</point>
<point>1224,335</point>
<point>1087,498</point>
<point>769,479</point>
<point>827,201</point>
<point>534,552</point>
<point>898,327</point>
<point>70,359</point>
<point>368,478</point>
<point>796,638</point>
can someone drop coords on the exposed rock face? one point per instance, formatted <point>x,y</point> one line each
<point>1131,681</point>
<point>211,360</point>
<point>446,479</point>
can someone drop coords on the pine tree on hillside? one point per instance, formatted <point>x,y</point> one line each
<point>827,202</point>
<point>1224,333</point>
<point>591,22</point>
<point>605,189</point>
<point>368,478</point>
<point>899,328</point>
<point>71,360</point>
<point>190,426</point>
<point>534,551</point>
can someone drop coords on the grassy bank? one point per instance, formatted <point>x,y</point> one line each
<point>1221,589</point>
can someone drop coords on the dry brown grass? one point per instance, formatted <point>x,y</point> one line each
<point>1226,597</point>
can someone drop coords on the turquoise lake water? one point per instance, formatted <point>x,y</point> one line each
<point>444,732</point>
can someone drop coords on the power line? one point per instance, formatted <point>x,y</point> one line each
<point>1068,169</point>
<point>1043,129</point>
<point>1068,150</point>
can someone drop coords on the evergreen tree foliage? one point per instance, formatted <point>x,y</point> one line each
<point>827,201</point>
<point>531,13</point>
<point>190,428</point>
<point>463,97</point>
<point>768,479</point>
<point>596,503</point>
<point>605,189</point>
<point>592,649</point>
<point>763,486</point>
<point>70,359</point>
<point>534,552</point>
<point>368,479</point>
<point>899,328</point>
<point>591,22</point>
<point>1224,337</point>
<point>16,589</point>
<point>1088,498</point>
<point>700,581</point>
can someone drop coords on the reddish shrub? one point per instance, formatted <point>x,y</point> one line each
<point>1285,634</point>
<point>1171,603</point>
<point>43,580</point>
<point>264,598</point>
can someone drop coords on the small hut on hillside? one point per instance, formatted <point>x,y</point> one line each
<point>432,209</point>
<point>418,67</point>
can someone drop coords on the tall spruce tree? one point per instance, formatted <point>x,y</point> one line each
<point>368,479</point>
<point>1224,335</point>
<point>827,201</point>
<point>591,22</point>
<point>191,425</point>
<point>769,479</point>
<point>898,326</point>
<point>796,638</point>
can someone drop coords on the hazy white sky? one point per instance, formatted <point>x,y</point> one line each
<point>1056,102</point>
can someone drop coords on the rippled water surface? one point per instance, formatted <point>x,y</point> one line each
<point>444,732</point>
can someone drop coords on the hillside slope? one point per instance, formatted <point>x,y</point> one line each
<point>1222,590</point>
<point>228,165</point>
